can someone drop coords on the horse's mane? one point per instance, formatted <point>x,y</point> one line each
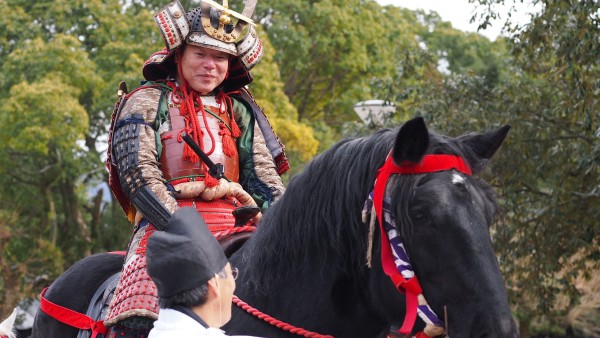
<point>320,214</point>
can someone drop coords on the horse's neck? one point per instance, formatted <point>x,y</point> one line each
<point>322,302</point>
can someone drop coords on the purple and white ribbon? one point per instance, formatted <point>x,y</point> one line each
<point>401,258</point>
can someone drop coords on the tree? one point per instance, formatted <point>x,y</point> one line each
<point>300,142</point>
<point>40,154</point>
<point>547,172</point>
<point>463,52</point>
<point>328,52</point>
<point>58,58</point>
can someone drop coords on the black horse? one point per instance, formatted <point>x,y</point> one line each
<point>306,264</point>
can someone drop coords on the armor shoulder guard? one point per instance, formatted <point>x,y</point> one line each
<point>141,98</point>
<point>276,148</point>
<point>143,103</point>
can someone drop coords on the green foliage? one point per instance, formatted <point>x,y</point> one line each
<point>43,117</point>
<point>27,261</point>
<point>300,142</point>
<point>548,170</point>
<point>328,52</point>
<point>61,63</point>
<point>464,52</point>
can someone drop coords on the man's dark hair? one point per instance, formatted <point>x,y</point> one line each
<point>190,298</point>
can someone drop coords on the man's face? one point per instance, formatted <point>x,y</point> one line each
<point>203,68</point>
<point>227,286</point>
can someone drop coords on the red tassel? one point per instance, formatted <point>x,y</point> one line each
<point>235,130</point>
<point>209,180</point>
<point>228,146</point>
<point>227,104</point>
<point>189,154</point>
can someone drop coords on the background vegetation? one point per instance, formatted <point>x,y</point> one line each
<point>61,61</point>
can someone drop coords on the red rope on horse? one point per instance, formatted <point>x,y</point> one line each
<point>235,230</point>
<point>257,313</point>
<point>276,322</point>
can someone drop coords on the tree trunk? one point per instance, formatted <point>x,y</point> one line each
<point>49,219</point>
<point>74,220</point>
<point>95,223</point>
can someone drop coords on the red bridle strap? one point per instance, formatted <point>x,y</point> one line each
<point>429,164</point>
<point>70,317</point>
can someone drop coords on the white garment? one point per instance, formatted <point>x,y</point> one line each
<point>174,324</point>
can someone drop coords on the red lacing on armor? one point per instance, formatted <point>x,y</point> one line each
<point>276,322</point>
<point>187,130</point>
<point>175,94</point>
<point>135,292</point>
<point>191,105</point>
<point>186,179</point>
<point>282,163</point>
<point>141,249</point>
<point>217,213</point>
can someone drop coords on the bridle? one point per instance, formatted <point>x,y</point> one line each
<point>401,274</point>
<point>394,259</point>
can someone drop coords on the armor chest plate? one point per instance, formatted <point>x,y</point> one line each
<point>174,167</point>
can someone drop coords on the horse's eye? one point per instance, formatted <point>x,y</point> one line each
<point>419,216</point>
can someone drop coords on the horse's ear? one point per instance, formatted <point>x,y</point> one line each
<point>485,145</point>
<point>412,141</point>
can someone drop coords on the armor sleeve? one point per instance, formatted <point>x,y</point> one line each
<point>258,173</point>
<point>264,165</point>
<point>136,156</point>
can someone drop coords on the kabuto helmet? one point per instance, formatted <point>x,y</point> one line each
<point>212,26</point>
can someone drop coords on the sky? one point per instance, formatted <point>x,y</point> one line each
<point>459,13</point>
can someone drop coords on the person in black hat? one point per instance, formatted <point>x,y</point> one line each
<point>195,281</point>
<point>196,86</point>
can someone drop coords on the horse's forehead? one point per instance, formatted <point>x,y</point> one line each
<point>457,178</point>
<point>445,193</point>
<point>446,181</point>
<point>444,189</point>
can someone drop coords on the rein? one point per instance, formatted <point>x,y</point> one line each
<point>257,313</point>
<point>235,230</point>
<point>394,260</point>
<point>276,322</point>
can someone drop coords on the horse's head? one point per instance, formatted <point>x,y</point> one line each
<point>443,219</point>
<point>306,262</point>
